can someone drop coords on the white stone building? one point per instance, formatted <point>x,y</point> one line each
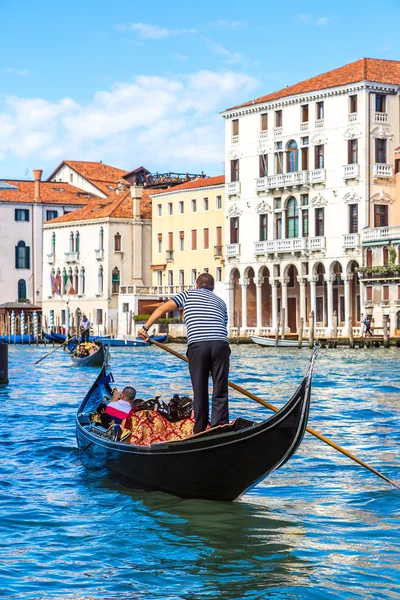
<point>97,247</point>
<point>94,177</point>
<point>308,168</point>
<point>24,207</point>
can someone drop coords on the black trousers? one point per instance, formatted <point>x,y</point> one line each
<point>205,358</point>
<point>85,335</point>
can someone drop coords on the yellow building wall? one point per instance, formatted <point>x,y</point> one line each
<point>187,259</point>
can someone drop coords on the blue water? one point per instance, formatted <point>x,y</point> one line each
<point>320,527</point>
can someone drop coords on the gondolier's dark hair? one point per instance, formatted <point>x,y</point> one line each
<point>129,393</point>
<point>205,280</point>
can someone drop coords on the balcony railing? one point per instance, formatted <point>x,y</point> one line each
<point>381,117</point>
<point>289,245</point>
<point>217,251</point>
<point>169,255</point>
<point>382,170</point>
<point>319,123</point>
<point>51,258</point>
<point>263,134</point>
<point>304,126</point>
<point>290,179</point>
<point>233,188</point>
<point>71,257</point>
<point>351,240</point>
<point>232,250</point>
<point>381,233</point>
<point>352,118</point>
<point>351,171</point>
<point>235,139</point>
<point>316,176</point>
<point>99,254</point>
<point>278,131</point>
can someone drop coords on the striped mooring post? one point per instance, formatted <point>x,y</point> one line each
<point>3,364</point>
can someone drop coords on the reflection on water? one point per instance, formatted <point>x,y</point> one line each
<point>320,527</point>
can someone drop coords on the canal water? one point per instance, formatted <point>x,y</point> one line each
<point>320,527</point>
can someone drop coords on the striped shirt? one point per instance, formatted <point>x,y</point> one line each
<point>206,316</point>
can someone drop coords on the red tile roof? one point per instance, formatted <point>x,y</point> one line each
<point>50,193</point>
<point>117,206</point>
<point>365,69</point>
<point>99,174</point>
<point>202,182</point>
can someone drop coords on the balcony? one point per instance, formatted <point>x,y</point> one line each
<point>232,250</point>
<point>316,176</point>
<point>381,233</point>
<point>263,134</point>
<point>289,245</point>
<point>233,188</point>
<point>282,180</point>
<point>235,139</point>
<point>169,255</point>
<point>278,131</point>
<point>319,123</point>
<point>352,118</point>
<point>217,251</point>
<point>382,171</point>
<point>51,258</point>
<point>99,254</point>
<point>351,240</point>
<point>381,117</point>
<point>304,126</point>
<point>71,257</point>
<point>351,171</point>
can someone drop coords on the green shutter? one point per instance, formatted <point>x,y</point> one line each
<point>16,257</point>
<point>27,257</point>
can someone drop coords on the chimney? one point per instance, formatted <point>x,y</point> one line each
<point>37,174</point>
<point>121,187</point>
<point>136,193</point>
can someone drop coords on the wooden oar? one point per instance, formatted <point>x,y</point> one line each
<point>321,437</point>
<point>55,350</point>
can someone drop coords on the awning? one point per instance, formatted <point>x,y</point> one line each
<point>157,267</point>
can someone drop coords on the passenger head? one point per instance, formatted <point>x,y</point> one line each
<point>84,317</point>
<point>129,393</point>
<point>205,280</point>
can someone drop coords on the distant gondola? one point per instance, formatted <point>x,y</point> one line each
<point>219,464</point>
<point>59,338</point>
<point>93,360</point>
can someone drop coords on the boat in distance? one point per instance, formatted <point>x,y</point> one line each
<point>93,360</point>
<point>280,343</point>
<point>219,464</point>
<point>60,338</point>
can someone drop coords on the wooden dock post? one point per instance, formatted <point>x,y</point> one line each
<point>335,320</point>
<point>3,364</point>
<point>278,324</point>
<point>283,324</point>
<point>351,338</point>
<point>311,329</point>
<point>386,342</point>
<point>301,326</point>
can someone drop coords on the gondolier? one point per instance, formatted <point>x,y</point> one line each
<point>85,326</point>
<point>206,318</point>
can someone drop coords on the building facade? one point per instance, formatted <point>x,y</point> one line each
<point>24,208</point>
<point>308,169</point>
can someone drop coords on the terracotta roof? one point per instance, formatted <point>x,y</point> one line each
<point>117,206</point>
<point>201,182</point>
<point>50,193</point>
<point>365,69</point>
<point>97,173</point>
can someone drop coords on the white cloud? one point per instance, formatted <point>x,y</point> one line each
<point>231,58</point>
<point>227,24</point>
<point>154,32</point>
<point>180,57</point>
<point>20,72</point>
<point>307,19</point>
<point>167,123</point>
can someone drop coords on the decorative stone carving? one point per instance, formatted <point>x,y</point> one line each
<point>263,207</point>
<point>381,133</point>
<point>319,200</point>
<point>352,197</point>
<point>263,148</point>
<point>382,197</point>
<point>351,133</point>
<point>318,139</point>
<point>234,154</point>
<point>233,211</point>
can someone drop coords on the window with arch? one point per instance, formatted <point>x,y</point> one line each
<point>117,242</point>
<point>292,218</point>
<point>82,281</point>
<point>77,242</point>
<point>385,255</point>
<point>71,242</point>
<point>21,290</point>
<point>115,279</point>
<point>64,277</point>
<point>292,155</point>
<point>320,275</point>
<point>291,275</point>
<point>75,284</point>
<point>71,277</point>
<point>101,239</point>
<point>53,243</point>
<point>369,257</point>
<point>100,280</point>
<point>22,256</point>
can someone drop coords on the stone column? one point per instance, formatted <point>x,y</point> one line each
<point>230,287</point>
<point>313,296</point>
<point>329,281</point>
<point>259,304</point>
<point>244,307</point>
<point>284,284</point>
<point>302,283</point>
<point>274,286</point>
<point>346,282</point>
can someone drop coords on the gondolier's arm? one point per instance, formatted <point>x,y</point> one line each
<point>162,310</point>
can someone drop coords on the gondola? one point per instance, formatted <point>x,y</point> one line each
<point>219,464</point>
<point>280,343</point>
<point>59,338</point>
<point>94,360</point>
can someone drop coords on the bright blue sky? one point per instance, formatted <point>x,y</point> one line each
<point>101,80</point>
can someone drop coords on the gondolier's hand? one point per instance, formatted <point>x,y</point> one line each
<point>142,333</point>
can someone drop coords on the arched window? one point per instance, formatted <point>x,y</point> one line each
<point>117,242</point>
<point>82,281</point>
<point>77,242</point>
<point>22,256</point>
<point>115,281</point>
<point>100,281</point>
<point>385,253</point>
<point>53,243</point>
<point>64,277</point>
<point>101,239</point>
<point>71,242</point>
<point>21,290</point>
<point>369,257</point>
<point>320,274</point>
<point>292,218</point>
<point>75,284</point>
<point>292,157</point>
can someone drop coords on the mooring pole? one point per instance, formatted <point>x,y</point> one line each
<point>3,364</point>
<point>351,338</point>
<point>311,329</point>
<point>301,332</point>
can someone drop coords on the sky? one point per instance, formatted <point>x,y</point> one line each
<point>132,84</point>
